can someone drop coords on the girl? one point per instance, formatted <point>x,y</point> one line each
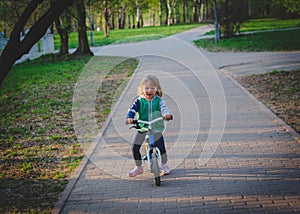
<point>148,106</point>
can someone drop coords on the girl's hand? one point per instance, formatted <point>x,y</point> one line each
<point>129,121</point>
<point>168,117</point>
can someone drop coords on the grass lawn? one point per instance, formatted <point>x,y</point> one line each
<point>266,41</point>
<point>39,149</point>
<point>266,24</point>
<point>128,35</point>
<point>263,41</point>
<point>269,24</point>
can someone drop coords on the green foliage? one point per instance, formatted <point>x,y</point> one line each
<point>274,72</point>
<point>25,167</point>
<point>232,14</point>
<point>292,6</point>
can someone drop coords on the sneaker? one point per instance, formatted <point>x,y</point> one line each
<point>136,171</point>
<point>165,169</point>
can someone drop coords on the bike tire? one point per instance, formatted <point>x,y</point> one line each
<point>156,170</point>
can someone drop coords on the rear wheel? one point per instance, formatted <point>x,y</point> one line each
<point>156,170</point>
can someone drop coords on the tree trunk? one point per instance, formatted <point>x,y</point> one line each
<point>205,16</point>
<point>152,15</point>
<point>169,13</point>
<point>199,10</point>
<point>107,22</point>
<point>195,14</point>
<point>63,30</point>
<point>16,48</point>
<point>133,22</point>
<point>160,13</point>
<point>83,45</point>
<point>175,20</point>
<point>123,16</point>
<point>141,19</point>
<point>184,11</point>
<point>138,15</point>
<point>112,23</point>
<point>64,39</point>
<point>128,22</point>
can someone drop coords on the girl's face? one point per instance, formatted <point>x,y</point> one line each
<point>149,90</point>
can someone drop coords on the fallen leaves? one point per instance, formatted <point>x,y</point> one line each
<point>280,91</point>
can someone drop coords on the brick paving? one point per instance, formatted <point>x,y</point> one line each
<point>254,168</point>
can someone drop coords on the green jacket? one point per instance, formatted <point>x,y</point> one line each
<point>149,110</point>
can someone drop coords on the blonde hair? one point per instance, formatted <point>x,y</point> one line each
<point>153,81</point>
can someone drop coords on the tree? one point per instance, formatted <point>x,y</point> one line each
<point>122,15</point>
<point>83,45</point>
<point>130,11</point>
<point>6,15</point>
<point>153,6</point>
<point>161,3</point>
<point>11,10</point>
<point>63,26</point>
<point>138,14</point>
<point>292,6</point>
<point>232,13</point>
<point>16,47</point>
<point>184,6</point>
<point>196,10</point>
<point>141,5</point>
<point>107,15</point>
<point>169,6</point>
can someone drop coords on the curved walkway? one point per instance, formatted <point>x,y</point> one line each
<point>228,153</point>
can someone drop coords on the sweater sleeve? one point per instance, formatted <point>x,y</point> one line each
<point>163,107</point>
<point>133,109</point>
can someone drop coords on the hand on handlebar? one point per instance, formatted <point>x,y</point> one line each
<point>168,117</point>
<point>129,121</point>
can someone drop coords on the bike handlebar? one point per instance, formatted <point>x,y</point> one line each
<point>136,122</point>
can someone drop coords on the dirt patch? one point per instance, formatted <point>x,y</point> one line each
<point>280,91</point>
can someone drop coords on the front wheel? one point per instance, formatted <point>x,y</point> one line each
<point>156,169</point>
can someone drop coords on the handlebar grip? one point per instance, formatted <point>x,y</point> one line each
<point>133,122</point>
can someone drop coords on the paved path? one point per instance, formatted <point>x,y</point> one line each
<point>228,153</point>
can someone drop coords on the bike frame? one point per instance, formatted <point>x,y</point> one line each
<point>151,144</point>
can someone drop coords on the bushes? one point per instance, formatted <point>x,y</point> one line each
<point>232,13</point>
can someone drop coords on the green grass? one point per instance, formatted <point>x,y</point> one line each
<point>266,24</point>
<point>269,24</point>
<point>128,35</point>
<point>38,144</point>
<point>265,41</point>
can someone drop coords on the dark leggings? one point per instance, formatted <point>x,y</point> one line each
<point>138,141</point>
